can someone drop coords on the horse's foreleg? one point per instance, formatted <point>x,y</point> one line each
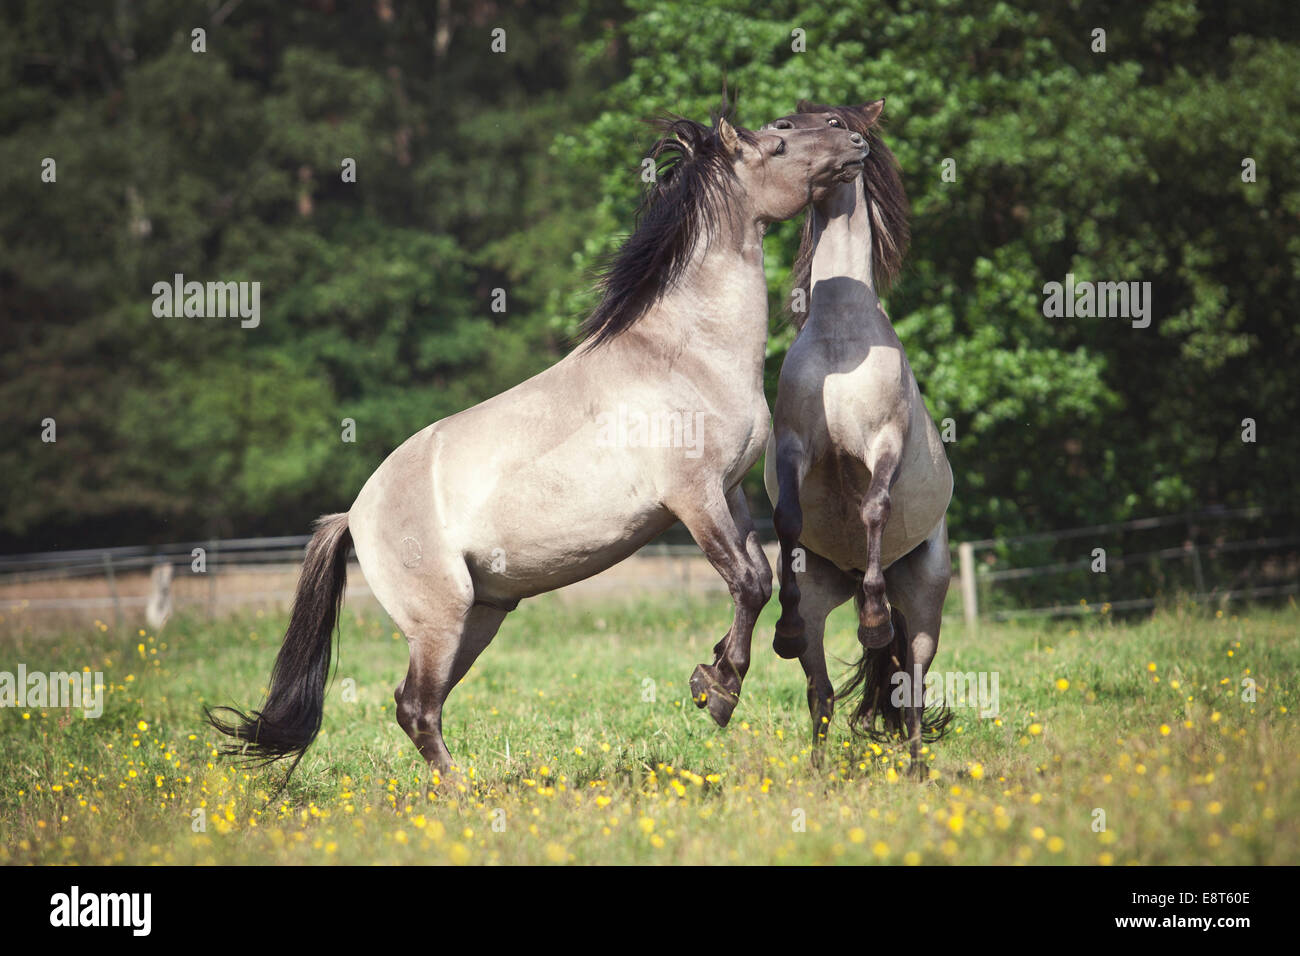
<point>825,588</point>
<point>723,529</point>
<point>917,585</point>
<point>791,468</point>
<point>874,628</point>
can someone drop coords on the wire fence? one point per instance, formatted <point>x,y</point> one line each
<point>1211,556</point>
<point>1208,556</point>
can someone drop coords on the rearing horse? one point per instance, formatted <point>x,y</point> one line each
<point>855,467</point>
<point>532,490</point>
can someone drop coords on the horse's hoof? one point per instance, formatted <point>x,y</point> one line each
<point>874,638</point>
<point>789,641</point>
<point>708,692</point>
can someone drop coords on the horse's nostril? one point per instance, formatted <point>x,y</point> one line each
<point>856,139</point>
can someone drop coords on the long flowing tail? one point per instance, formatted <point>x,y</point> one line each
<point>291,717</point>
<point>873,685</point>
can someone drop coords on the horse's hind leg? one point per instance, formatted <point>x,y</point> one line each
<point>918,583</point>
<point>443,647</point>
<point>825,587</point>
<point>791,468</point>
<point>723,529</point>
<point>874,629</point>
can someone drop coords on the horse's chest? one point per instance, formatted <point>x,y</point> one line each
<point>862,402</point>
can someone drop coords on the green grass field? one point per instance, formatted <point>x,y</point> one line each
<point>565,760</point>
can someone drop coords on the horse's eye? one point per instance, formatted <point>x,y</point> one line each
<point>833,122</point>
<point>780,147</point>
<point>783,124</point>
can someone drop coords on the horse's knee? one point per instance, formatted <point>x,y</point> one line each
<point>755,588</point>
<point>875,510</point>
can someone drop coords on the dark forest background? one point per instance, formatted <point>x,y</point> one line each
<point>520,170</point>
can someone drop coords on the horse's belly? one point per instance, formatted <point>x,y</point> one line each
<point>515,569</point>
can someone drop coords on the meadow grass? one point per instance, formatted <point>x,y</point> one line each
<point>578,743</point>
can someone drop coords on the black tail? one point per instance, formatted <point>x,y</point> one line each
<point>290,719</point>
<point>872,678</point>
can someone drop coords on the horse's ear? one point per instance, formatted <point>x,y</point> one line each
<point>805,106</point>
<point>727,135</point>
<point>870,112</point>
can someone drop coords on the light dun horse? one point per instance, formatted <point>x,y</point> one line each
<point>527,492</point>
<point>855,467</point>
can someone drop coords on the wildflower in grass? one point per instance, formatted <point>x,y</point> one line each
<point>857,835</point>
<point>1062,684</point>
<point>1035,729</point>
<point>1055,845</point>
<point>880,849</point>
<point>1164,730</point>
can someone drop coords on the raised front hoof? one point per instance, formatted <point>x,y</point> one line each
<point>789,641</point>
<point>878,636</point>
<point>707,691</point>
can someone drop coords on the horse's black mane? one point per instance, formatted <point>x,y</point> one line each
<point>690,197</point>
<point>890,234</point>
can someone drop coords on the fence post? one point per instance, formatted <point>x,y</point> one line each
<point>969,602</point>
<point>159,607</point>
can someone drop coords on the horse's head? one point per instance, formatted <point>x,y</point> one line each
<point>857,119</point>
<point>880,178</point>
<point>782,170</point>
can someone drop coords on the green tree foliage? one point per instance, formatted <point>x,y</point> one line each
<point>479,171</point>
<point>1123,165</point>
<point>376,295</point>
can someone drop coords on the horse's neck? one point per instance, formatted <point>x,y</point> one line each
<point>842,283</point>
<point>719,302</point>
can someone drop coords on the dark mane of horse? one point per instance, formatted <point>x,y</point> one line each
<point>689,199</point>
<point>890,234</point>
